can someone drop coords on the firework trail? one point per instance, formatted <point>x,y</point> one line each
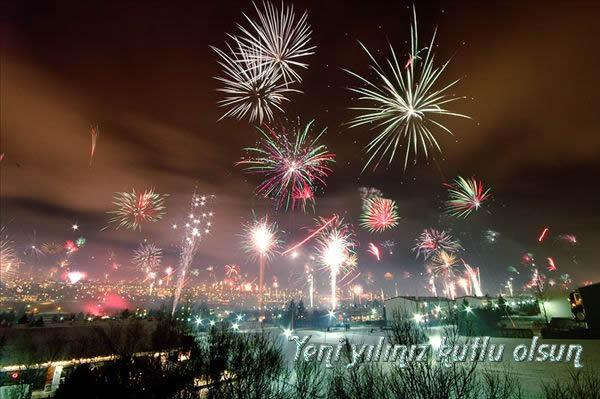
<point>543,234</point>
<point>379,214</point>
<point>431,241</point>
<point>9,261</point>
<point>148,258</point>
<point>94,133</point>
<point>278,40</point>
<point>293,164</point>
<point>374,251</point>
<point>404,102</point>
<point>133,209</point>
<point>465,196</point>
<point>334,245</point>
<point>323,226</point>
<point>551,265</point>
<point>569,238</point>
<point>474,279</point>
<point>197,225</point>
<point>251,88</point>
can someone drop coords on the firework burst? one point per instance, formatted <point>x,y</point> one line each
<point>404,102</point>
<point>9,261</point>
<point>278,39</point>
<point>147,258</point>
<point>260,238</point>
<point>465,196</point>
<point>432,241</point>
<point>379,214</point>
<point>133,209</point>
<point>334,245</point>
<point>293,164</point>
<point>232,271</point>
<point>52,248</point>
<point>251,88</point>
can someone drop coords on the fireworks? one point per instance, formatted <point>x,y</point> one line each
<point>198,223</point>
<point>442,266</point>
<point>388,245</point>
<point>80,242</point>
<point>379,214</point>
<point>279,40</point>
<point>334,245</point>
<point>51,248</point>
<point>431,241</point>
<point>147,258</point>
<point>404,103</point>
<point>491,236</point>
<point>9,261</point>
<point>465,196</point>
<point>250,86</point>
<point>133,209</point>
<point>324,224</point>
<point>569,238</point>
<point>374,251</point>
<point>261,238</point>
<point>551,265</point>
<point>543,234</point>
<point>70,247</point>
<point>75,276</point>
<point>232,271</point>
<point>94,133</point>
<point>293,164</point>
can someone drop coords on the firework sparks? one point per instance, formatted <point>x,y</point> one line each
<point>251,88</point>
<point>280,40</point>
<point>260,240</point>
<point>80,242</point>
<point>334,245</point>
<point>323,226</point>
<point>374,251</point>
<point>133,209</point>
<point>465,196</point>
<point>232,271</point>
<point>543,234</point>
<point>71,247</point>
<point>404,103</point>
<point>474,279</point>
<point>569,238</point>
<point>198,224</point>
<point>379,214</point>
<point>388,245</point>
<point>9,261</point>
<point>491,236</point>
<point>94,133</point>
<point>294,165</point>
<point>148,258</point>
<point>551,265</point>
<point>51,248</point>
<point>75,276</point>
<point>432,241</point>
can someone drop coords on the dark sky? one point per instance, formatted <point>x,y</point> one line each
<point>144,72</point>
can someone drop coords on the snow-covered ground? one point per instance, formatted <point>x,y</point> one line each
<point>530,374</point>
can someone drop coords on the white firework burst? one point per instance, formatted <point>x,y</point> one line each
<point>403,101</point>
<point>252,88</point>
<point>280,39</point>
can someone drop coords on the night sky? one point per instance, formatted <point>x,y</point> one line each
<point>144,72</point>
